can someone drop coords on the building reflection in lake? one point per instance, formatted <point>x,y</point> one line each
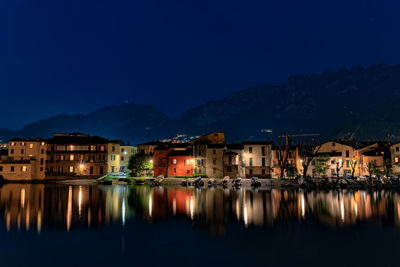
<point>35,206</point>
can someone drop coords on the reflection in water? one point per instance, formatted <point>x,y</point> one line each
<point>29,206</point>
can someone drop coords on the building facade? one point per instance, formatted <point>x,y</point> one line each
<point>77,154</point>
<point>257,159</point>
<point>25,160</point>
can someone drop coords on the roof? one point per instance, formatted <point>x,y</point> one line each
<point>187,152</point>
<point>117,142</point>
<point>76,139</point>
<point>181,145</point>
<point>151,143</point>
<point>230,153</point>
<point>346,143</point>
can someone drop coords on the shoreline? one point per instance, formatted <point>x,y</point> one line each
<point>312,184</point>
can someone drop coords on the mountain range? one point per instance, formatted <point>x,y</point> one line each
<point>357,103</point>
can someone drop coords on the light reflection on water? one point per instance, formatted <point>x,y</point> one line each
<point>27,207</point>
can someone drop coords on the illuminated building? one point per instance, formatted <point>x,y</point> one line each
<point>25,160</point>
<point>77,154</point>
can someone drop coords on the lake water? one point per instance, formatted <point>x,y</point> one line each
<point>56,225</point>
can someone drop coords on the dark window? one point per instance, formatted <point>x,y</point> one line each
<point>12,168</point>
<point>22,151</point>
<point>230,160</point>
<point>1,168</point>
<point>397,149</point>
<point>251,171</point>
<point>347,153</point>
<point>12,151</point>
<point>174,170</point>
<point>263,151</point>
<point>122,158</point>
<point>214,151</point>
<point>250,150</point>
<point>41,169</point>
<point>333,144</point>
<point>113,148</point>
<point>263,162</point>
<point>263,171</point>
<point>251,161</point>
<point>101,170</point>
<point>214,161</point>
<point>42,151</point>
<point>41,161</point>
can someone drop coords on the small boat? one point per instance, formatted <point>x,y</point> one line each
<point>225,181</point>
<point>255,182</point>
<point>198,182</point>
<point>157,181</point>
<point>211,182</point>
<point>185,182</point>
<point>237,182</point>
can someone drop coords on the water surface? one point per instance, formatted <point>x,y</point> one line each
<point>56,225</point>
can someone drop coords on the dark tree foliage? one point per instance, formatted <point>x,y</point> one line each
<point>140,164</point>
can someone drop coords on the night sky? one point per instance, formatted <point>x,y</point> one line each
<point>71,56</point>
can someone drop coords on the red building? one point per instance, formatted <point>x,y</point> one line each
<point>160,160</point>
<point>180,163</point>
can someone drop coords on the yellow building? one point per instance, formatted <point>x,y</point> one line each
<point>118,157</point>
<point>341,152</point>
<point>26,160</point>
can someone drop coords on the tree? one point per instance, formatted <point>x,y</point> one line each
<point>371,168</point>
<point>387,168</point>
<point>291,171</point>
<point>283,149</point>
<point>307,152</point>
<point>353,165</point>
<point>339,166</point>
<point>140,164</point>
<point>321,164</point>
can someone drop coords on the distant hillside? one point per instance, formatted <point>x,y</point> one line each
<point>360,103</point>
<point>356,103</point>
<point>130,122</point>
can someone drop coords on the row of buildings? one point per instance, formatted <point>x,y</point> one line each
<point>80,155</point>
<point>72,154</point>
<point>211,156</point>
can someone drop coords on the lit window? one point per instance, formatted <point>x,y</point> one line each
<point>71,169</point>
<point>396,159</point>
<point>22,144</point>
<point>71,157</point>
<point>24,168</point>
<point>30,145</point>
<point>174,161</point>
<point>102,148</point>
<point>92,148</point>
<point>12,144</point>
<point>42,144</point>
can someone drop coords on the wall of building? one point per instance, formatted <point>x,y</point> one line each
<point>214,162</point>
<point>180,166</point>
<point>257,159</point>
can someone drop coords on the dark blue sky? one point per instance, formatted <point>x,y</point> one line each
<point>70,56</point>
